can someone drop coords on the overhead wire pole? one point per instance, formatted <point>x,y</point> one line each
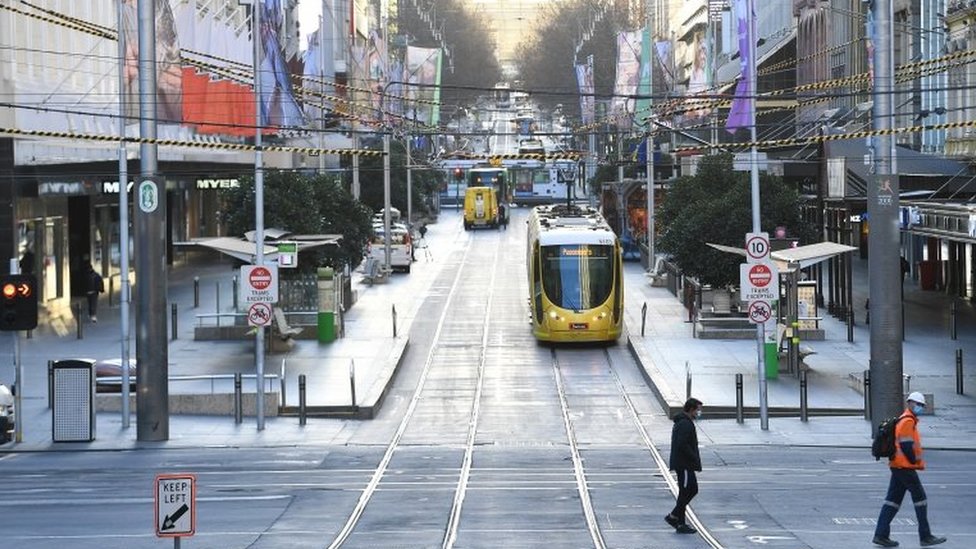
<point>258,205</point>
<point>754,185</point>
<point>883,238</point>
<point>649,143</point>
<point>123,224</point>
<point>152,347</point>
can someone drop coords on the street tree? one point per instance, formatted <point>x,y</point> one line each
<point>715,206</point>
<point>303,205</point>
<point>545,58</point>
<point>425,182</point>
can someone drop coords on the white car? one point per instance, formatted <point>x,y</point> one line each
<point>401,247</point>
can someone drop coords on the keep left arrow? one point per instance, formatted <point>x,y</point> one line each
<point>170,522</point>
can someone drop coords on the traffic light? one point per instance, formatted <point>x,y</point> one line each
<point>458,174</point>
<point>18,302</point>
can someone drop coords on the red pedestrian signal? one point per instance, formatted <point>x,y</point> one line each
<point>458,174</point>
<point>18,303</point>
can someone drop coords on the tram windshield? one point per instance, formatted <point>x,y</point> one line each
<point>577,276</point>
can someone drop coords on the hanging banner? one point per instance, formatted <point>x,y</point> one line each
<point>628,71</point>
<point>584,79</point>
<point>423,72</point>
<point>740,110</point>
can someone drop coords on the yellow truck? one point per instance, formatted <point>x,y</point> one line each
<point>481,208</point>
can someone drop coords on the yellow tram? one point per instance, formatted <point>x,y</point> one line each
<point>575,272</point>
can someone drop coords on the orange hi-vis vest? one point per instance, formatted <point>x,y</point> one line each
<point>907,430</point>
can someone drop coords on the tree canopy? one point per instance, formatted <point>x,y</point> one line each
<point>715,205</point>
<point>304,205</point>
<point>545,58</point>
<point>468,35</point>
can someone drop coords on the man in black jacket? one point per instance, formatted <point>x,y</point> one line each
<point>685,461</point>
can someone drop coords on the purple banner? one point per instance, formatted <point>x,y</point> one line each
<point>739,113</point>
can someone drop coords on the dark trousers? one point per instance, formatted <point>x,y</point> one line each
<point>92,304</point>
<point>687,489</point>
<point>903,480</point>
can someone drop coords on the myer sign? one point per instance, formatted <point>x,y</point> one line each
<point>218,183</point>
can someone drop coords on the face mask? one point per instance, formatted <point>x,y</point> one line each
<point>917,409</point>
<point>698,413</point>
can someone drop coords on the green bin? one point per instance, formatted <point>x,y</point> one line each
<point>326,328</point>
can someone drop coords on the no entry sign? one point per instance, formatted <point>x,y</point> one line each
<point>759,282</point>
<point>259,284</point>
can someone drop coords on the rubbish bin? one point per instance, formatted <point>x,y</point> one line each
<point>326,305</point>
<point>73,408</point>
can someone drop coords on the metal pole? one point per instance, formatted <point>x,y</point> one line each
<point>884,264</point>
<point>687,380</point>
<point>50,384</point>
<point>387,250</point>
<point>952,320</point>
<point>394,321</point>
<point>850,324</point>
<point>867,394</point>
<point>111,290</point>
<point>235,288</point>
<point>196,292</point>
<point>79,330</point>
<point>173,325</point>
<point>258,202</point>
<point>959,373</point>
<point>238,400</point>
<point>649,148</point>
<point>409,183</point>
<point>217,298</point>
<point>301,399</point>
<point>152,350</point>
<point>352,381</point>
<point>643,317</point>
<point>803,396</point>
<point>19,375</point>
<point>738,399</point>
<point>124,291</point>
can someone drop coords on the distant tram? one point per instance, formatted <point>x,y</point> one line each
<point>575,272</point>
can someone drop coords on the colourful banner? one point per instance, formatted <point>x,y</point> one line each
<point>628,71</point>
<point>169,73</point>
<point>740,113</point>
<point>584,79</point>
<point>423,72</point>
<point>644,91</point>
<point>278,106</point>
<point>698,80</point>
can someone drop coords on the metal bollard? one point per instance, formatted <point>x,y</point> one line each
<point>79,326</point>
<point>739,416</point>
<point>952,320</point>
<point>217,297</point>
<point>50,383</point>
<point>234,297</point>
<point>687,380</point>
<point>111,290</point>
<point>850,324</point>
<point>394,322</point>
<point>907,378</point>
<point>643,317</point>
<point>301,399</point>
<point>173,321</point>
<point>867,394</point>
<point>803,395</point>
<point>352,380</point>
<point>238,401</point>
<point>196,292</point>
<point>959,373</point>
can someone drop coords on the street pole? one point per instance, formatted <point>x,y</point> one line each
<point>322,87</point>
<point>883,239</point>
<point>409,183</point>
<point>123,225</point>
<point>152,346</point>
<point>754,183</point>
<point>649,146</point>
<point>258,205</point>
<point>18,375</point>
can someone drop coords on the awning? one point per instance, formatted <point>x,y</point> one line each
<point>802,256</point>
<point>247,251</point>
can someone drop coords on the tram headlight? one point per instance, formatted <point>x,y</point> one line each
<point>600,316</point>
<point>553,315</point>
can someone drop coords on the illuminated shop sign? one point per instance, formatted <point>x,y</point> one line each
<point>218,183</point>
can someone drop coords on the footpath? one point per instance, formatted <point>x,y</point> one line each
<point>361,365</point>
<point>670,355</point>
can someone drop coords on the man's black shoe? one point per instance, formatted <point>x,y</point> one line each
<point>685,529</point>
<point>884,542</point>
<point>932,540</point>
<point>673,521</point>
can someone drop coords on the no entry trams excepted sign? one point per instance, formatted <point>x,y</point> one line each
<point>259,284</point>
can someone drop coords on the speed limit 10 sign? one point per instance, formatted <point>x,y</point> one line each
<point>757,247</point>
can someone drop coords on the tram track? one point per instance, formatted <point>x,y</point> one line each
<point>579,465</point>
<point>439,342</point>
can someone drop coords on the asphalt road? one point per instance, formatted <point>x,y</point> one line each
<point>488,440</point>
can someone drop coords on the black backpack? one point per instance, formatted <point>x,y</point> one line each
<point>883,445</point>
